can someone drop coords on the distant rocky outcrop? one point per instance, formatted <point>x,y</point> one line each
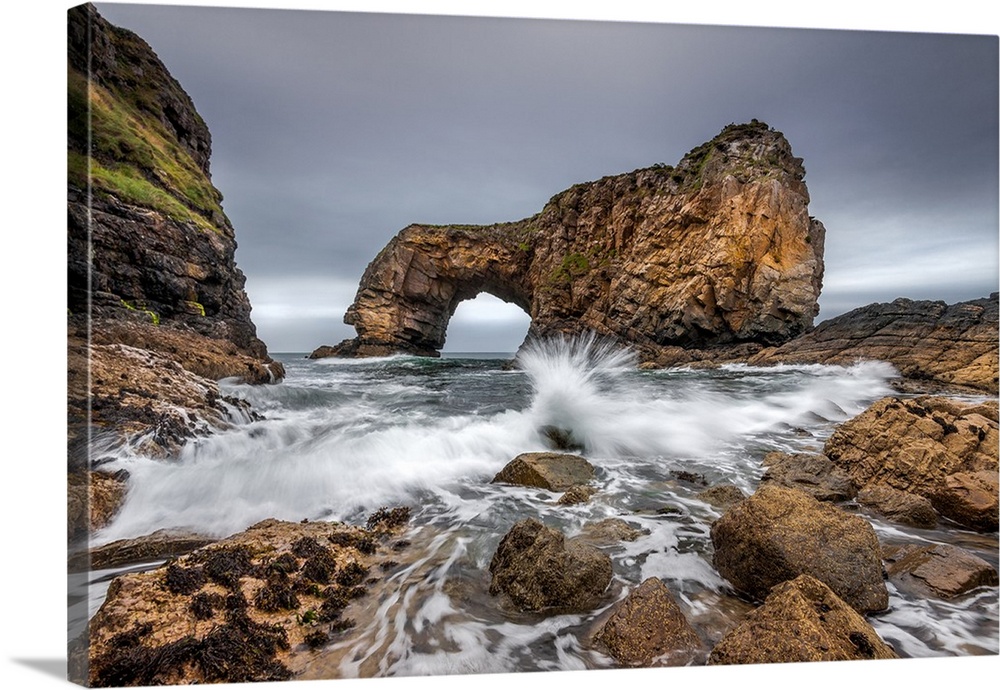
<point>943,450</point>
<point>717,250</point>
<point>930,342</point>
<point>157,307</point>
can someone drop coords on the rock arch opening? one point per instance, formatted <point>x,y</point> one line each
<point>485,323</point>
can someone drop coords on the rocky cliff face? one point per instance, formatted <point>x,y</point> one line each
<point>146,229</point>
<point>157,309</point>
<point>717,250</point>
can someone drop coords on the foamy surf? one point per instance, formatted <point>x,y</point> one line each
<point>338,442</point>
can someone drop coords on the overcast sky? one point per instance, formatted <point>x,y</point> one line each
<point>332,131</point>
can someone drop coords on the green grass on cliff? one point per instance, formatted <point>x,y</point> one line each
<point>128,184</point>
<point>135,159</point>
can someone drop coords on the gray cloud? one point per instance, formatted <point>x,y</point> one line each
<point>332,131</point>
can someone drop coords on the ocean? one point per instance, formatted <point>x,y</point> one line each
<point>339,439</point>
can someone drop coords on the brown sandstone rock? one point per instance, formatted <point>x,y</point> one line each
<point>236,611</point>
<point>93,498</point>
<point>648,628</point>
<point>801,620</point>
<point>551,471</point>
<point>778,534</point>
<point>717,250</point>
<point>576,495</point>
<point>536,568</point>
<point>938,448</point>
<point>926,341</point>
<point>899,506</point>
<point>810,473</point>
<point>608,532</point>
<point>940,570</point>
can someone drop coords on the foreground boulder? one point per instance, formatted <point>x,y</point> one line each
<point>236,611</point>
<point>801,620</point>
<point>647,628</point>
<point>550,471</point>
<point>536,568</point>
<point>938,448</point>
<point>939,570</point>
<point>778,534</point>
<point>926,341</point>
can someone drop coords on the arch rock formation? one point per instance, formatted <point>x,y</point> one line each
<point>719,250</point>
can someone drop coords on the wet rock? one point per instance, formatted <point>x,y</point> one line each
<point>938,448</point>
<point>536,568</point>
<point>577,495</point>
<point>551,471</point>
<point>939,570</point>
<point>810,473</point>
<point>899,506</point>
<point>722,496</point>
<point>648,628</point>
<point>561,439</point>
<point>928,342</point>
<point>93,498</point>
<point>159,545</point>
<point>778,534</point>
<point>235,611</point>
<point>970,499</point>
<point>801,620</point>
<point>608,532</point>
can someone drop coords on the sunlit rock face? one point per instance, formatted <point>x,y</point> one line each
<point>718,250</point>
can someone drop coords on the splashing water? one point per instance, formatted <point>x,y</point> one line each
<point>341,438</point>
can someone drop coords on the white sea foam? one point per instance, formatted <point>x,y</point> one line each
<point>323,454</point>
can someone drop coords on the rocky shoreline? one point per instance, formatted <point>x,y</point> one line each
<point>799,553</point>
<point>158,316</point>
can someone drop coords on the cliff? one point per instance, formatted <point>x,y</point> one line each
<point>719,250</point>
<point>157,311</point>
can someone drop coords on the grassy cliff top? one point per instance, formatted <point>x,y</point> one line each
<point>133,132</point>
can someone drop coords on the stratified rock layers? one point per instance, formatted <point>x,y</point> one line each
<point>718,250</point>
<point>951,344</point>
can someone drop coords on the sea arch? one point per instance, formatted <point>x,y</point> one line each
<point>410,291</point>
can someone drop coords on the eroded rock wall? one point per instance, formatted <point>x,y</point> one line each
<point>717,250</point>
<point>157,311</point>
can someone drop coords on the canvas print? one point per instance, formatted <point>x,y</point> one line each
<point>410,345</point>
